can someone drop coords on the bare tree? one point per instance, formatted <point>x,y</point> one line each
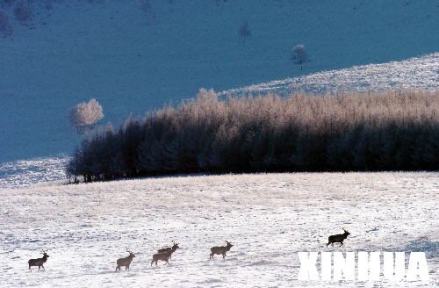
<point>299,57</point>
<point>23,12</point>
<point>146,7</point>
<point>5,26</point>
<point>86,114</point>
<point>244,31</point>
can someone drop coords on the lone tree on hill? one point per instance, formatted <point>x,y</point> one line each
<point>85,115</point>
<point>299,56</point>
<point>244,31</point>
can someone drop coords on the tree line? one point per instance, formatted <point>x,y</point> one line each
<point>351,132</point>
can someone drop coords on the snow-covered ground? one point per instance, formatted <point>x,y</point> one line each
<point>25,173</point>
<point>269,218</point>
<point>420,73</point>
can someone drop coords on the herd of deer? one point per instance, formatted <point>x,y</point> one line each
<point>165,254</point>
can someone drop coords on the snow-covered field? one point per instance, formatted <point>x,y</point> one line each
<point>25,173</point>
<point>269,218</point>
<point>420,73</point>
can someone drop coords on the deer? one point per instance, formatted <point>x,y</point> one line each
<point>39,261</point>
<point>125,262</point>
<point>169,249</point>
<point>164,254</point>
<point>338,238</point>
<point>220,250</point>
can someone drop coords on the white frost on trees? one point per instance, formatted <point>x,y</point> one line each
<point>86,114</point>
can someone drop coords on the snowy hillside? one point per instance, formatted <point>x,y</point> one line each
<point>268,218</point>
<point>136,55</point>
<point>25,173</point>
<point>416,73</point>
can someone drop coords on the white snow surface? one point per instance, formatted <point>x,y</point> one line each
<point>25,173</point>
<point>269,217</point>
<point>419,73</point>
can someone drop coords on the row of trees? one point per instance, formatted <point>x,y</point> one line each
<point>357,132</point>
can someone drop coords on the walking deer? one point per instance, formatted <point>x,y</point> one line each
<point>125,262</point>
<point>169,249</point>
<point>38,261</point>
<point>164,254</point>
<point>338,238</point>
<point>220,250</point>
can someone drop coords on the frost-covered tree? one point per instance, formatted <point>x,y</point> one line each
<point>207,95</point>
<point>86,114</point>
<point>355,132</point>
<point>299,56</point>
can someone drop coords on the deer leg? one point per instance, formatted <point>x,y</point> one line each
<point>224,255</point>
<point>43,267</point>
